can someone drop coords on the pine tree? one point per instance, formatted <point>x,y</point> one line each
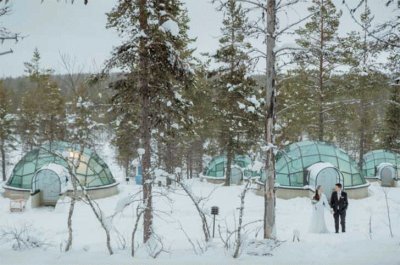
<point>155,59</point>
<point>236,101</point>
<point>7,123</point>
<point>320,51</point>
<point>52,114</point>
<point>391,132</point>
<point>81,123</point>
<point>42,107</point>
<point>296,107</point>
<point>203,119</point>
<point>364,81</point>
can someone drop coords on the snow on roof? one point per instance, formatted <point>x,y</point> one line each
<point>58,169</point>
<point>317,167</point>
<point>385,164</point>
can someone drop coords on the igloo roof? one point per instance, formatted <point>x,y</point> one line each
<point>92,171</point>
<point>292,163</point>
<point>375,158</point>
<point>216,166</point>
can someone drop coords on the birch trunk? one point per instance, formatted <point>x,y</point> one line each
<point>269,193</point>
<point>3,159</point>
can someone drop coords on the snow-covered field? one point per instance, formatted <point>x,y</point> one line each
<point>353,247</point>
<point>176,211</point>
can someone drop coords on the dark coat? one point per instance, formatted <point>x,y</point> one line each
<point>341,204</point>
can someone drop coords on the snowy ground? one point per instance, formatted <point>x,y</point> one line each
<point>353,247</point>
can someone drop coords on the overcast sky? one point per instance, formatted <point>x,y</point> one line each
<point>56,27</point>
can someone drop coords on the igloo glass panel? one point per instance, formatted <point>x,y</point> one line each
<point>295,166</point>
<point>330,159</point>
<point>282,179</point>
<point>309,150</point>
<point>219,174</point>
<point>297,179</point>
<point>310,160</point>
<point>379,155</point>
<point>93,182</point>
<point>29,168</point>
<point>357,179</point>
<point>281,165</point>
<point>347,179</point>
<point>326,150</point>
<point>342,155</point>
<point>16,181</point>
<point>82,169</point>
<point>19,169</point>
<point>31,156</point>
<point>344,166</point>
<point>27,181</point>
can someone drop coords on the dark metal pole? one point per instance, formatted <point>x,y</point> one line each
<point>214,226</point>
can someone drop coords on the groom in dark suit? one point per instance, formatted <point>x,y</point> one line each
<point>339,206</point>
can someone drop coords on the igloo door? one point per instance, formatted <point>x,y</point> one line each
<point>236,175</point>
<point>327,178</point>
<point>48,182</point>
<point>387,175</point>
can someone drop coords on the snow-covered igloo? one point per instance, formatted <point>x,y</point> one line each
<point>44,169</point>
<point>383,165</point>
<point>304,165</point>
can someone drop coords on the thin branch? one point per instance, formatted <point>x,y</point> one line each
<point>6,52</point>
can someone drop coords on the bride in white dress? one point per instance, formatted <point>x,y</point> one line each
<point>319,204</point>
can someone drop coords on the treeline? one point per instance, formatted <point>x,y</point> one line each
<point>336,89</point>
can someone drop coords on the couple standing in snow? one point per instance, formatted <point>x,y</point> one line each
<point>338,205</point>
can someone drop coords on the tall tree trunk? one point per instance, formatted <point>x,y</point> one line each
<point>229,157</point>
<point>270,99</point>
<point>3,159</point>
<point>144,77</point>
<point>363,116</point>
<point>363,139</point>
<point>70,214</point>
<point>321,129</point>
<point>169,157</point>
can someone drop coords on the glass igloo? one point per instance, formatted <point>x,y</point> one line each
<point>92,172</point>
<point>306,164</point>
<point>242,166</point>
<point>383,165</point>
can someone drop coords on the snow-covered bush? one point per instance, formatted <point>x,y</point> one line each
<point>22,237</point>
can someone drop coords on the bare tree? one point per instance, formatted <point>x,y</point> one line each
<point>5,34</point>
<point>84,196</point>
<point>197,201</point>
<point>386,192</point>
<point>269,32</point>
<point>22,237</point>
<point>197,246</point>
<point>72,166</point>
<point>139,213</point>
<point>270,119</point>
<point>239,239</point>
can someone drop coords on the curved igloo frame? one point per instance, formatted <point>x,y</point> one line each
<point>92,172</point>
<point>326,175</point>
<point>383,165</point>
<point>241,168</point>
<point>293,162</point>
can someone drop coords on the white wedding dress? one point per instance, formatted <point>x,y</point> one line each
<point>318,215</point>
